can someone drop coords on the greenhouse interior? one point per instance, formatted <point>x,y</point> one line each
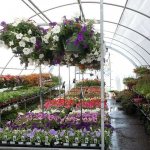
<point>75,74</point>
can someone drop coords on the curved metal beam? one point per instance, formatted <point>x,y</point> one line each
<point>111,48</point>
<point>119,20</point>
<point>126,51</point>
<point>129,40</point>
<point>130,48</point>
<point>7,64</point>
<point>95,2</point>
<point>127,28</point>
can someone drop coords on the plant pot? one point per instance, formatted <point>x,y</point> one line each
<point>47,144</point>
<point>28,143</point>
<point>72,48</point>
<point>20,143</point>
<point>65,144</point>
<point>75,144</point>
<point>4,142</point>
<point>37,144</point>
<point>12,142</point>
<point>83,144</point>
<point>92,145</point>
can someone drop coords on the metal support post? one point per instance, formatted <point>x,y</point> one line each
<point>102,75</point>
<point>41,98</point>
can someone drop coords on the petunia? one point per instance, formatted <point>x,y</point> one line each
<point>22,44</point>
<point>33,40</point>
<point>19,36</point>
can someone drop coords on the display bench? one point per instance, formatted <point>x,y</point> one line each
<point>45,148</point>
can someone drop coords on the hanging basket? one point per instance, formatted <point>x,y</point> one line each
<point>72,48</point>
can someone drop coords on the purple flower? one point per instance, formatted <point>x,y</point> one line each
<point>84,28</point>
<point>52,24</point>
<point>62,133</point>
<point>52,132</point>
<point>76,42</point>
<point>38,44</point>
<point>3,24</point>
<point>80,37</point>
<point>98,133</point>
<point>71,133</point>
<point>1,129</point>
<point>31,135</point>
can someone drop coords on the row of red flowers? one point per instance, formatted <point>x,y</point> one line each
<point>68,103</point>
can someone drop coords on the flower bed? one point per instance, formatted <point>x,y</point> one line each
<point>53,137</point>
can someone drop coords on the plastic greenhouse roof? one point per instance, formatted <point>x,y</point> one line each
<point>126,25</point>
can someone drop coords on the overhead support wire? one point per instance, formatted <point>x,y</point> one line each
<point>41,12</point>
<point>128,58</point>
<point>38,14</point>
<point>126,51</point>
<point>81,10</point>
<point>119,20</point>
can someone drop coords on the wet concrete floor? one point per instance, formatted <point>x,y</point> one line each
<point>128,131</point>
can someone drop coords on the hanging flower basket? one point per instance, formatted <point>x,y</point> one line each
<point>28,41</point>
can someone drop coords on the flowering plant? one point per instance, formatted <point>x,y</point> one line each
<point>77,37</point>
<point>27,40</point>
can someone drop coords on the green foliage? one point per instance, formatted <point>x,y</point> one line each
<point>129,82</point>
<point>140,71</point>
<point>88,83</point>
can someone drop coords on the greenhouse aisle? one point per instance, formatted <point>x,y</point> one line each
<point>128,132</point>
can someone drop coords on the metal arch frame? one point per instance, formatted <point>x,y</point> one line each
<point>128,58</point>
<point>119,20</point>
<point>92,3</point>
<point>129,40</point>
<point>128,29</point>
<point>126,51</point>
<point>130,48</point>
<point>7,64</point>
<point>33,10</point>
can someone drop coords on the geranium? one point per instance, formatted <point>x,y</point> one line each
<point>30,42</point>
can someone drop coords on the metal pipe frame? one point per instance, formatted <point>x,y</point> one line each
<point>128,47</point>
<point>129,40</point>
<point>34,11</point>
<point>126,51</point>
<point>128,58</point>
<point>7,64</point>
<point>94,2</point>
<point>119,20</point>
<point>41,12</point>
<point>102,55</point>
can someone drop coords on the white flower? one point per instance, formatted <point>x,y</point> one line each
<point>26,39</point>
<point>16,106</point>
<point>45,39</point>
<point>56,38</point>
<point>2,43</point>
<point>56,29</point>
<point>71,59</point>
<point>37,62</point>
<point>41,56</point>
<point>11,43</point>
<point>19,36</point>
<point>29,31</point>
<point>9,108</point>
<point>27,51</point>
<point>30,61</point>
<point>22,44</point>
<point>46,63</point>
<point>14,49</point>
<point>76,55</point>
<point>33,40</point>
<point>82,61</point>
<point>96,53</point>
